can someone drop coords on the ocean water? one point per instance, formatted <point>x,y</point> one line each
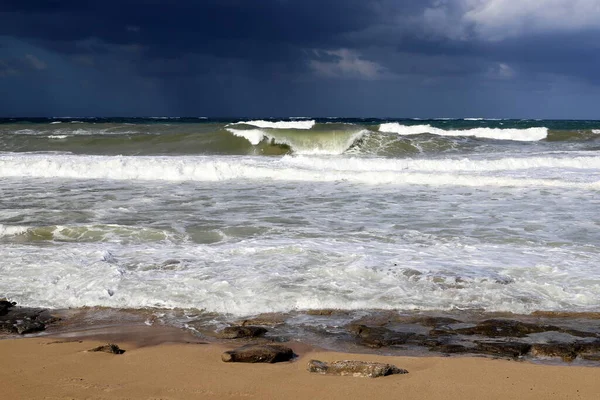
<point>244,216</point>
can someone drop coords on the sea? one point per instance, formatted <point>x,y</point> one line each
<point>243,216</point>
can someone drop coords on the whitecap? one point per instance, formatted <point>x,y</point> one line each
<point>528,134</point>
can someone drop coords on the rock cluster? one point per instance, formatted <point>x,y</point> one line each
<point>497,337</point>
<point>22,320</point>
<point>354,368</point>
<point>239,332</point>
<point>108,348</point>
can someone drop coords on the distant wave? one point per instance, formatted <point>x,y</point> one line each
<point>297,124</point>
<point>528,134</point>
<point>85,232</point>
<point>54,133</point>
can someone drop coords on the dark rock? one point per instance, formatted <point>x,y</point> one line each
<point>108,348</point>
<point>450,348</point>
<point>354,368</point>
<point>324,312</point>
<point>22,320</point>
<point>7,328</point>
<point>263,353</point>
<point>567,351</point>
<point>5,305</point>
<point>442,332</point>
<point>268,319</point>
<point>589,347</point>
<point>436,321</point>
<point>379,337</point>
<point>590,356</point>
<point>28,326</point>
<point>503,349</point>
<point>505,328</point>
<point>577,333</point>
<point>237,332</point>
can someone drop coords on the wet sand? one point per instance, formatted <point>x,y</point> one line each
<point>160,363</point>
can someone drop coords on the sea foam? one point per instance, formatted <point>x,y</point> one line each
<point>528,134</point>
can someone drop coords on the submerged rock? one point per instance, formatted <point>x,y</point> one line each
<point>324,312</point>
<point>435,322</point>
<point>450,348</point>
<point>108,348</point>
<point>5,305</point>
<point>503,349</point>
<point>22,320</point>
<point>379,337</point>
<point>237,332</point>
<point>567,351</point>
<point>354,368</point>
<point>505,327</point>
<point>259,353</point>
<point>25,327</point>
<point>591,356</point>
<point>267,319</point>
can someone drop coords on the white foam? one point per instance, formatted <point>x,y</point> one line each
<point>528,134</point>
<point>231,277</point>
<point>58,136</point>
<point>474,119</point>
<point>55,122</point>
<point>596,131</point>
<point>12,230</point>
<point>561,162</point>
<point>298,124</point>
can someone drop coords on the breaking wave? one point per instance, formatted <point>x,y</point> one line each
<point>304,142</point>
<point>462,172</point>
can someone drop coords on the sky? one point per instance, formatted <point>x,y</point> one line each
<point>261,58</point>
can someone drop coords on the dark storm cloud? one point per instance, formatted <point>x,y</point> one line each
<point>187,25</point>
<point>278,56</point>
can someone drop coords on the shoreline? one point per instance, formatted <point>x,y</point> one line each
<point>163,361</point>
<point>551,338</point>
<point>49,367</point>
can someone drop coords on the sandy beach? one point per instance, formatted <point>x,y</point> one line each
<point>62,368</point>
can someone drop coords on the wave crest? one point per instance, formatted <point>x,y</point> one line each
<point>297,124</point>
